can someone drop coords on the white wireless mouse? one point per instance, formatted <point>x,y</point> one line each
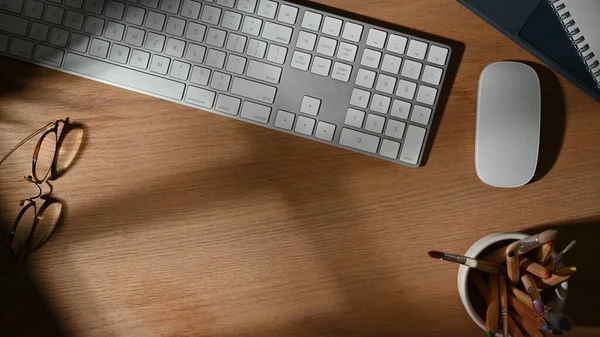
<point>508,124</point>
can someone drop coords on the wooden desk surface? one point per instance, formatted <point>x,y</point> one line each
<point>183,223</point>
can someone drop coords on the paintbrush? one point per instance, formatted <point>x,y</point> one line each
<point>552,265</point>
<point>469,262</point>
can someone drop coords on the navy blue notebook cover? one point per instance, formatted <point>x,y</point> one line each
<point>534,26</point>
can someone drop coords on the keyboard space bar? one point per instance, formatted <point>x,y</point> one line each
<point>124,77</point>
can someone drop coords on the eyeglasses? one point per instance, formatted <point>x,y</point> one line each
<point>23,239</point>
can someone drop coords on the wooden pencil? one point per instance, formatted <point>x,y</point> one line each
<point>513,329</point>
<point>534,268</point>
<point>503,303</point>
<point>521,295</point>
<point>554,280</point>
<point>481,285</point>
<point>522,309</point>
<point>512,264</point>
<point>531,328</point>
<point>543,254</point>
<point>491,318</point>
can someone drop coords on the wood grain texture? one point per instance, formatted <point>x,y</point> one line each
<point>179,222</point>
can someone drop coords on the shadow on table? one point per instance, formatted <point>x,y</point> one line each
<point>584,292</point>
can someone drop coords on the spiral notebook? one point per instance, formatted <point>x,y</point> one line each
<point>581,20</point>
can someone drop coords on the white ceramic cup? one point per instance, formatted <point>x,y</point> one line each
<point>557,304</point>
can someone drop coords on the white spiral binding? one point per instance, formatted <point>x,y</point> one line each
<point>577,38</point>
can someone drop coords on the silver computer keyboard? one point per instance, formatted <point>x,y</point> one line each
<point>268,62</point>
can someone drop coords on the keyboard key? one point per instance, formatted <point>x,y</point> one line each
<point>149,3</point>
<point>175,47</point>
<point>395,129</point>
<point>139,59</point>
<point>247,6</point>
<point>200,97</point>
<point>332,26</point>
<point>96,6</point>
<point>326,46</point>
<point>191,9</point>
<point>389,149</point>
<point>397,44</point>
<point>374,123</point>
<point>13,25</point>
<point>412,144</point>
<point>211,15</point>
<point>437,55</point>
<point>432,75</point>
<point>365,78</point>
<point>287,14</point>
<point>236,43</point>
<point>267,9</point>
<point>277,54</point>
<point>256,48</point>
<point>34,9</point>
<point>310,106</point>
<point>347,52</point>
<point>74,20</point>
<point>264,72</point>
<point>371,58</point>
<point>195,53</point>
<point>386,84</point>
<point>200,76</point>
<point>79,43</point>
<point>3,42</point>
<point>180,70</point>
<point>54,14</point>
<point>134,36</point>
<point>400,109</point>
<point>253,90</point>
<point>99,48</point>
<point>360,98</point>
<point>352,32</point>
<point>215,59</point>
<point>321,66</point>
<point>114,31</point>
<point>220,81</point>
<point>358,140</point>
<point>111,73</point>
<point>391,64</point>
<point>175,26</point>
<point>114,10</point>
<point>256,112</point>
<point>74,3</point>
<point>411,69</point>
<point>227,104</point>
<point>47,55</point>
<point>155,20</point>
<point>354,118</point>
<point>195,32</point>
<point>420,115</point>
<point>376,38</point>
<point>417,49</point>
<point>251,25</point>
<point>231,20</point>
<point>170,6</point>
<point>341,72</point>
<point>226,3</point>
<point>325,131</point>
<point>155,42</point>
<point>312,21</point>
<point>59,37</point>
<point>14,6</point>
<point>305,125</point>
<point>94,25</point>
<point>301,60</point>
<point>426,94</point>
<point>380,104</point>
<point>38,32</point>
<point>285,120</point>
<point>406,89</point>
<point>236,64</point>
<point>277,33</point>
<point>306,41</point>
<point>216,37</point>
<point>21,48</point>
<point>119,53</point>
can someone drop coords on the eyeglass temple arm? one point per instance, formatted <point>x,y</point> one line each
<point>35,133</point>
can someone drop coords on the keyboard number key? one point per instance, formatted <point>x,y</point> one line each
<point>211,15</point>
<point>421,115</point>
<point>358,140</point>
<point>389,149</point>
<point>365,78</point>
<point>386,84</point>
<point>417,49</point>
<point>305,125</point>
<point>395,129</point>
<point>354,118</point>
<point>411,69</point>
<point>380,104</point>
<point>426,95</point>
<point>325,131</point>
<point>437,55</point>
<point>285,120</point>
<point>406,89</point>
<point>360,98</point>
<point>400,109</point>
<point>374,123</point>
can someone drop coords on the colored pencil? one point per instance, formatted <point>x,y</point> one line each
<point>543,254</point>
<point>503,303</point>
<point>534,268</point>
<point>491,318</point>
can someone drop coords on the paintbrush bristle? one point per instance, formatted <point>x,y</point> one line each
<point>436,254</point>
